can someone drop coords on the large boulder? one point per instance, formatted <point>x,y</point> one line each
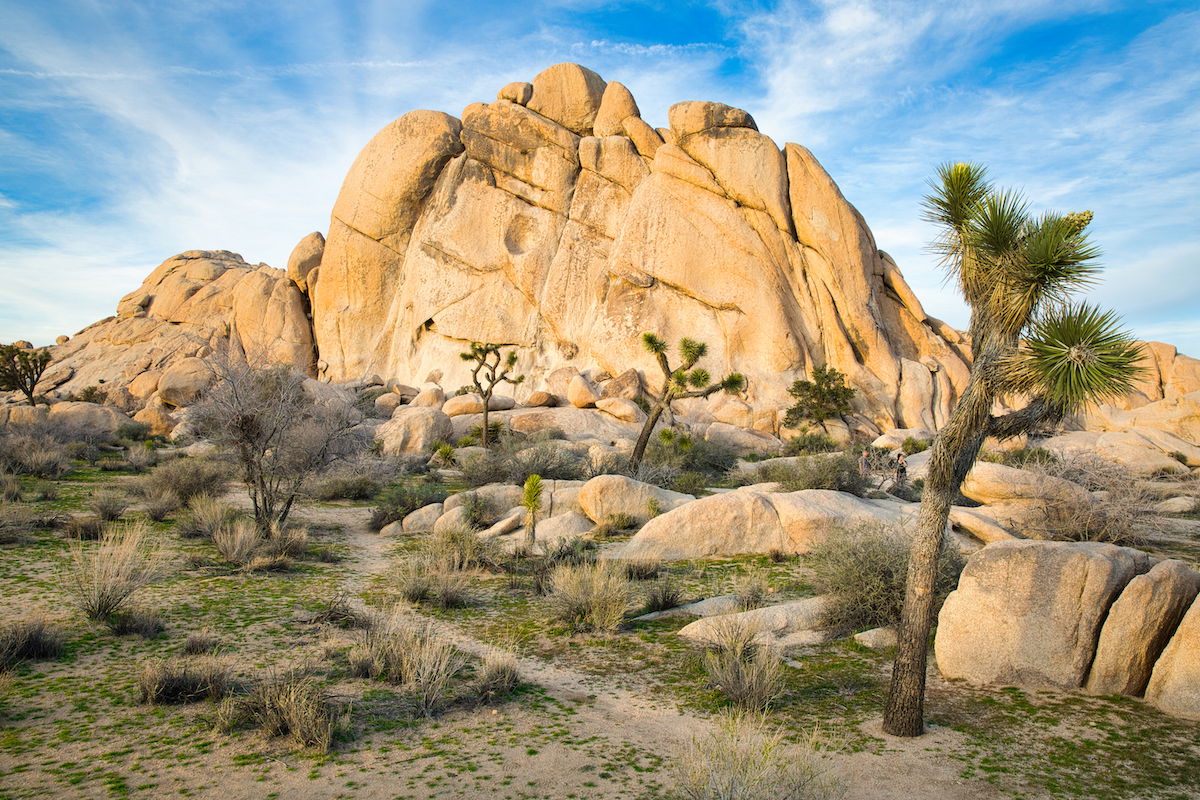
<point>1028,613</point>
<point>797,622</point>
<point>423,519</point>
<point>305,257</point>
<point>184,381</point>
<point>1139,626</point>
<point>88,418</point>
<point>607,495</point>
<point>750,520</point>
<point>570,95</point>
<point>414,430</point>
<point>1175,683</point>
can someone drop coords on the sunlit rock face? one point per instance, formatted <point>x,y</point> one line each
<point>555,219</point>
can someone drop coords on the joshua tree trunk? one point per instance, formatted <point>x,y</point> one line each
<point>639,450</point>
<point>954,452</point>
<point>483,432</point>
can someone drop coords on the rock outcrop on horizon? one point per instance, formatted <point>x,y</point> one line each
<point>555,219</point>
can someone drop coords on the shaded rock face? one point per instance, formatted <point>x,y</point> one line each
<point>575,243</point>
<point>189,305</point>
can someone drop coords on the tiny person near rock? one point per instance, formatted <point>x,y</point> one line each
<point>864,462</point>
<point>901,468</point>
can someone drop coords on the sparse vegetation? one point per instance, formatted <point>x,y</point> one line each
<point>186,478</point>
<point>748,674</point>
<point>410,652</point>
<point>183,680</point>
<point>835,471</point>
<point>863,569</point>
<point>590,597</point>
<point>292,704</point>
<point>29,639</point>
<point>103,578</point>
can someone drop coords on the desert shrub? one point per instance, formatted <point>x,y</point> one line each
<point>136,622</point>
<point>476,510</point>
<point>85,528</point>
<point>423,581</point>
<point>810,442</point>
<point>614,525</point>
<point>694,483</point>
<point>400,500</point>
<point>199,643</point>
<point>513,460</point>
<point>160,505</point>
<point>205,516</point>
<point>743,759</point>
<point>837,472</point>
<point>140,459</point>
<point>286,541</point>
<point>642,569</point>
<point>89,394</point>
<point>237,541</point>
<point>498,675</point>
<point>344,487</point>
<point>29,639</point>
<point>87,452</point>
<point>1068,517</point>
<point>443,455</point>
<point>292,704</point>
<point>912,445</point>
<point>751,590</point>
<point>589,597</point>
<point>1019,457</point>
<point>133,431</point>
<point>863,571</point>
<point>10,489</point>
<point>496,429</point>
<point>102,579</point>
<point>1178,456</point>
<point>458,548</point>
<point>183,680</point>
<point>338,611</point>
<point>40,458</point>
<point>748,674</point>
<point>662,594</point>
<point>187,478</point>
<point>683,453</point>
<point>411,652</point>
<point>108,506</point>
<point>45,490</point>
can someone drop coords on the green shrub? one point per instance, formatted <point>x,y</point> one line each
<point>344,487</point>
<point>684,453</point>
<point>693,483</point>
<point>1019,457</point>
<point>642,568</point>
<point>85,528</point>
<point>824,397</point>
<point>662,594</point>
<point>133,431</point>
<point>512,460</point>
<point>1178,456</point>
<point>863,570</point>
<point>398,501</point>
<point>838,472</point>
<point>810,442</point>
<point>911,445</point>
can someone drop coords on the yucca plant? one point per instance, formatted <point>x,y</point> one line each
<point>531,499</point>
<point>1018,273</point>
<point>686,380</point>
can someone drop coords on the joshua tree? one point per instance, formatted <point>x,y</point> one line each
<point>490,370</point>
<point>279,433</point>
<point>822,398</point>
<point>686,381</point>
<point>532,500</point>
<point>1017,272</point>
<point>21,369</point>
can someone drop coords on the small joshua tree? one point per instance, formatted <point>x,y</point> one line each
<point>21,370</point>
<point>490,370</point>
<point>532,500</point>
<point>687,380</point>
<point>824,397</point>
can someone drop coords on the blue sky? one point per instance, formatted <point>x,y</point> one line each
<point>130,131</point>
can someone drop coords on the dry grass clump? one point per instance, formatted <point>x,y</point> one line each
<point>10,489</point>
<point>744,759</point>
<point>459,548</point>
<point>498,675</point>
<point>237,541</point>
<point>338,611</point>
<point>292,704</point>
<point>108,505</point>
<point>590,597</point>
<point>863,571</point>
<point>85,529</point>
<point>160,504</point>
<point>29,639</point>
<point>748,674</point>
<point>424,581</point>
<point>136,622</point>
<point>206,515</point>
<point>614,525</point>
<point>751,590</point>
<point>187,478</point>
<point>199,643</point>
<point>408,651</point>
<point>643,568</point>
<point>33,454</point>
<point>286,541</point>
<point>103,578</point>
<point>663,594</point>
<point>1127,501</point>
<point>17,520</point>
<point>172,681</point>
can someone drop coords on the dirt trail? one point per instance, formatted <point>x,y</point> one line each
<point>910,768</point>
